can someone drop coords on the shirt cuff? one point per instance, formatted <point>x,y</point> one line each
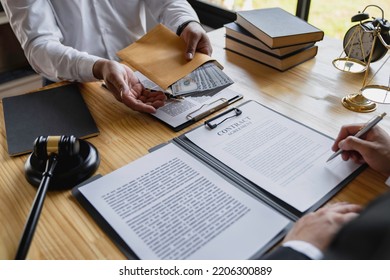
<point>388,182</point>
<point>184,25</point>
<point>85,68</point>
<point>305,248</point>
<point>174,26</point>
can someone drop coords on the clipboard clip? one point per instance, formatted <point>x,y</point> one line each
<point>222,101</point>
<point>211,125</point>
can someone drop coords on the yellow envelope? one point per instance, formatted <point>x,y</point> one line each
<point>159,55</point>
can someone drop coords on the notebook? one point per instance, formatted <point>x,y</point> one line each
<point>55,111</point>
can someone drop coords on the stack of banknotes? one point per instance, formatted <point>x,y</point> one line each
<point>206,79</point>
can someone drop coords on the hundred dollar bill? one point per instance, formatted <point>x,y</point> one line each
<point>186,85</point>
<point>205,78</point>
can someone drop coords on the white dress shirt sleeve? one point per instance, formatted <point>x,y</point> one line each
<point>305,248</point>
<point>59,37</point>
<point>171,13</point>
<point>34,24</point>
<point>388,182</point>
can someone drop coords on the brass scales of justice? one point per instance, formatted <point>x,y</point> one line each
<point>361,47</point>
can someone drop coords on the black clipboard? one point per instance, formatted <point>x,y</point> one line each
<point>211,108</point>
<point>267,197</point>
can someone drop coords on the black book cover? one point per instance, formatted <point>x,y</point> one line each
<point>56,111</point>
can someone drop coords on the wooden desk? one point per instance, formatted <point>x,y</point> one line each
<point>309,93</point>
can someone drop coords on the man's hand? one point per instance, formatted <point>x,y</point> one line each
<point>126,87</point>
<point>196,39</point>
<point>373,148</point>
<point>320,227</point>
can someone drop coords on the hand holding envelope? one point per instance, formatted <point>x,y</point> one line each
<point>159,56</point>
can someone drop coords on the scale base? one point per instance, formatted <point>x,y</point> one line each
<point>358,103</point>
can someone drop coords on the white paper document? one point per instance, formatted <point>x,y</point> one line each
<point>281,156</point>
<point>168,205</point>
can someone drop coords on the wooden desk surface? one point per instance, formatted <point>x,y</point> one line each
<point>309,93</point>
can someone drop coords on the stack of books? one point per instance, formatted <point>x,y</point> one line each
<point>273,37</point>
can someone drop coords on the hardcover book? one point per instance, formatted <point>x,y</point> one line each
<point>278,28</point>
<point>235,31</point>
<point>280,63</point>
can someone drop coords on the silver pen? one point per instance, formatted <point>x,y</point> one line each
<point>360,133</point>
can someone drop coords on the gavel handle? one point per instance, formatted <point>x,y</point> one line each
<point>36,209</point>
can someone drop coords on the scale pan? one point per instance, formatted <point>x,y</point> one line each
<point>377,93</point>
<point>350,65</point>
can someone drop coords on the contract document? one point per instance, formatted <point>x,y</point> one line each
<point>283,157</point>
<point>168,205</point>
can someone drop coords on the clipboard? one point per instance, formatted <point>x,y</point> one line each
<point>179,113</point>
<point>203,111</point>
<point>231,116</point>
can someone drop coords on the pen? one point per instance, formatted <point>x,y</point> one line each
<point>360,133</point>
<point>216,108</point>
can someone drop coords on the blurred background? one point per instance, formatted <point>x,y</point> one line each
<point>332,16</point>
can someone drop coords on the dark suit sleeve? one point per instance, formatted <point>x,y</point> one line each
<point>285,253</point>
<point>366,237</point>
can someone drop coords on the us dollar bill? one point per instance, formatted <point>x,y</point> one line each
<point>205,78</point>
